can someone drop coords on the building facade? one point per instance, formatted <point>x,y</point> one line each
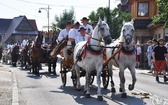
<point>14,30</point>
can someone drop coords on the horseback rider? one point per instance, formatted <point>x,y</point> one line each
<point>24,42</point>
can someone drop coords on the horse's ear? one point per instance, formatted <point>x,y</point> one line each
<point>105,19</point>
<point>132,21</point>
<point>123,22</point>
<point>100,21</point>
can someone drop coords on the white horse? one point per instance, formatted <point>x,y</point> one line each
<point>125,58</point>
<point>93,59</point>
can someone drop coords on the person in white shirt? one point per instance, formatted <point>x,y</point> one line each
<point>138,51</point>
<point>89,28</point>
<point>72,34</point>
<point>64,33</point>
<point>24,42</point>
<point>82,36</point>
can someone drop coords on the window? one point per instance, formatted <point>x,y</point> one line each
<point>143,9</point>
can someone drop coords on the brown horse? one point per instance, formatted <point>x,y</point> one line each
<point>36,53</point>
<point>51,61</point>
<point>25,56</point>
<point>14,55</point>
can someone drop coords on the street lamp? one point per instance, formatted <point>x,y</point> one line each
<point>47,9</point>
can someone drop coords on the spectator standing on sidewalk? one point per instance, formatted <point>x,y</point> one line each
<point>154,43</point>
<point>149,53</point>
<point>138,49</point>
<point>159,54</point>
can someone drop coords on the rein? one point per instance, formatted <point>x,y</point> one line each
<point>97,39</point>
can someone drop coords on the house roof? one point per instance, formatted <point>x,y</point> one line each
<point>33,23</point>
<point>124,2</point>
<point>18,25</point>
<point>4,24</point>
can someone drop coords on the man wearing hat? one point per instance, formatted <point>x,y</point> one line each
<point>72,34</point>
<point>160,55</point>
<point>89,28</point>
<point>82,35</point>
<point>64,33</point>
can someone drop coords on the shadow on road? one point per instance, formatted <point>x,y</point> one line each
<point>46,74</point>
<point>130,100</point>
<point>78,96</point>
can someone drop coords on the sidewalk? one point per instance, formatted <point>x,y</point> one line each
<point>8,87</point>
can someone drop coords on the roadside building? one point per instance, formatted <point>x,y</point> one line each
<point>14,30</point>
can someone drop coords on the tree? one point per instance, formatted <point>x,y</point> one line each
<point>60,21</point>
<point>162,16</point>
<point>101,12</point>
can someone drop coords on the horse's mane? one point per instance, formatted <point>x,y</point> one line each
<point>95,31</point>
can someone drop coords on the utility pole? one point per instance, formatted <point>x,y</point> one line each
<point>47,9</point>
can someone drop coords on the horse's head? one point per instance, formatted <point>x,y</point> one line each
<point>15,49</point>
<point>127,32</point>
<point>103,31</point>
<point>39,39</point>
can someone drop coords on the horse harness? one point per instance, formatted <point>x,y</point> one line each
<point>86,47</point>
<point>124,50</point>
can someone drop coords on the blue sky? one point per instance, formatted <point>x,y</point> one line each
<point>30,8</point>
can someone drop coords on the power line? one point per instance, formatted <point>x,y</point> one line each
<point>20,10</point>
<point>78,6</point>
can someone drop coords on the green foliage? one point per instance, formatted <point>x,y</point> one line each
<point>162,16</point>
<point>60,21</point>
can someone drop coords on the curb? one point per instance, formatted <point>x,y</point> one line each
<point>15,96</point>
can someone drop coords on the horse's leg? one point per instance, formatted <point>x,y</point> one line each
<point>49,65</point>
<point>77,68</point>
<point>87,81</point>
<point>133,74</point>
<point>113,90</point>
<point>38,67</point>
<point>99,68</point>
<point>122,82</point>
<point>54,66</point>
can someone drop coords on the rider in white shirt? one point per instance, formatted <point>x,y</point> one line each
<point>24,42</point>
<point>72,34</point>
<point>64,33</point>
<point>82,36</point>
<point>89,28</point>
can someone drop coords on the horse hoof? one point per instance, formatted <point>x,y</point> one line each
<point>120,90</point>
<point>100,98</point>
<point>78,89</point>
<point>124,95</point>
<point>113,90</point>
<point>84,92</point>
<point>130,87</point>
<point>87,95</point>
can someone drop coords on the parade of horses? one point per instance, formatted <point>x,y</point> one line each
<point>91,58</point>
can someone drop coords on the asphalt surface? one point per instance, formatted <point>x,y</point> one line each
<point>9,89</point>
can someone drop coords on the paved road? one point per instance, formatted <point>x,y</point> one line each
<point>47,89</point>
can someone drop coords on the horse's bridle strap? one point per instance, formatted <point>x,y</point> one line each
<point>97,39</point>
